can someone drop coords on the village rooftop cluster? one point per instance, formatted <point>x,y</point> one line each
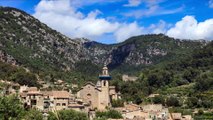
<point>89,99</point>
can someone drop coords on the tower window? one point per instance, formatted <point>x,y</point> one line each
<point>104,83</point>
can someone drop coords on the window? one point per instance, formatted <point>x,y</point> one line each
<point>63,104</point>
<point>104,83</point>
<point>58,104</point>
<point>33,102</point>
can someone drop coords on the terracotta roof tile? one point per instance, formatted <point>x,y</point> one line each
<point>34,92</point>
<point>60,94</point>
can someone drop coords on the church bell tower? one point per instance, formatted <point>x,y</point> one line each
<point>105,77</point>
<point>104,98</point>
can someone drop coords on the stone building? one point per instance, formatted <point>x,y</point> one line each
<point>44,100</point>
<point>99,96</point>
<point>8,87</point>
<point>145,112</point>
<point>179,116</point>
<point>129,78</point>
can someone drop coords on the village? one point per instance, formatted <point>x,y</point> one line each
<point>89,99</point>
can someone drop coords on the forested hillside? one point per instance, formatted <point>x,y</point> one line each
<point>190,77</point>
<point>17,75</point>
<point>28,43</point>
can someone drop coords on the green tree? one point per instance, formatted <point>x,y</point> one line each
<point>33,115</point>
<point>172,101</point>
<point>114,114</point>
<point>200,112</point>
<point>10,108</point>
<point>108,114</point>
<point>192,102</point>
<point>67,115</point>
<point>24,78</point>
<point>158,99</point>
<point>204,82</point>
<point>189,74</point>
<point>117,103</point>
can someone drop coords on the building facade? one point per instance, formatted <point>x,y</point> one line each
<point>99,96</point>
<point>44,100</point>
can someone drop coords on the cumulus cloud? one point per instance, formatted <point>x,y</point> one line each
<point>211,3</point>
<point>128,30</point>
<point>65,18</point>
<point>190,28</point>
<point>61,16</point>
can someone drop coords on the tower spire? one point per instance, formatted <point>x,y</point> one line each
<point>105,73</point>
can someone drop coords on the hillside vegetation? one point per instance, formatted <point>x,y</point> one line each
<point>27,42</point>
<point>190,79</point>
<point>17,75</point>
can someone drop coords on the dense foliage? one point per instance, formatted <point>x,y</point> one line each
<point>12,109</point>
<point>17,74</point>
<point>108,114</point>
<point>191,78</point>
<point>67,115</point>
<point>204,116</point>
<point>117,103</point>
<point>33,115</point>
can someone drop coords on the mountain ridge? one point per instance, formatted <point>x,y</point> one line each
<point>27,42</point>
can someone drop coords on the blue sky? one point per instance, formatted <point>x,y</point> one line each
<point>111,21</point>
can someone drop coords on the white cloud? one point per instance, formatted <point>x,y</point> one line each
<point>153,10</point>
<point>94,14</point>
<point>190,28</point>
<point>211,3</point>
<point>133,3</point>
<point>160,27</point>
<point>83,3</point>
<point>65,18</point>
<point>128,30</point>
<point>60,15</point>
<point>148,3</point>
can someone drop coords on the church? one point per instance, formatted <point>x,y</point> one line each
<point>99,96</point>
